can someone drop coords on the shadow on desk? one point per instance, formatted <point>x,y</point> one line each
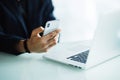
<point>6,57</point>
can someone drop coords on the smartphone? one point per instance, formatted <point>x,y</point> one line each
<point>51,26</point>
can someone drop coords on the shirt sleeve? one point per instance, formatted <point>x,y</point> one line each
<point>8,43</point>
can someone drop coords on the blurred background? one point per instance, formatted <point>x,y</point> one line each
<point>79,18</point>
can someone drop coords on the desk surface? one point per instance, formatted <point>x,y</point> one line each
<point>34,67</point>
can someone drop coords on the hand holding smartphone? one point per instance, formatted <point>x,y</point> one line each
<point>51,26</point>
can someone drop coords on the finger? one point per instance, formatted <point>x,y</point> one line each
<point>37,31</point>
<point>52,35</point>
<point>51,45</point>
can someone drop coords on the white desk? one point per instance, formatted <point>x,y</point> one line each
<point>34,67</point>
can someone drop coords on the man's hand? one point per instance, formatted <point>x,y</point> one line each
<point>39,44</point>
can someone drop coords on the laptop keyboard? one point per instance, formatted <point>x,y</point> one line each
<point>81,57</point>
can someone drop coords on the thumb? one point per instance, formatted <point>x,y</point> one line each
<point>36,31</point>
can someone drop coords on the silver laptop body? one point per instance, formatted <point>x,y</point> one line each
<point>105,46</point>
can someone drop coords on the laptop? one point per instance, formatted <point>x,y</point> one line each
<point>105,46</point>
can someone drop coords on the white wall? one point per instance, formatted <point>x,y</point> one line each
<point>79,17</point>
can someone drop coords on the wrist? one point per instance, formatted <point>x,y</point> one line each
<point>25,43</point>
<point>20,46</point>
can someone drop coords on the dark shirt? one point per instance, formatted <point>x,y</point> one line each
<point>17,23</point>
